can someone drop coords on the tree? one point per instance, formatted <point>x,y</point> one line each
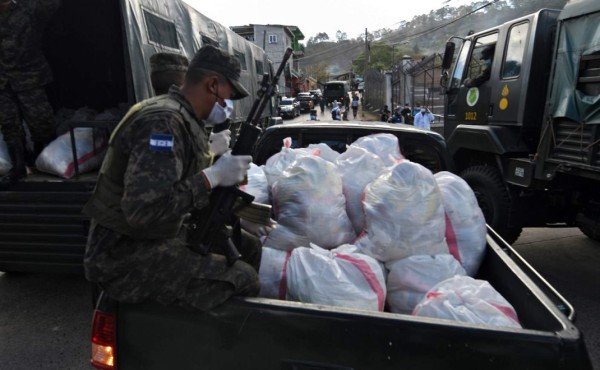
<point>319,37</point>
<point>341,36</point>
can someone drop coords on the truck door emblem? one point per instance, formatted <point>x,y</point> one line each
<point>472,96</point>
<point>503,104</point>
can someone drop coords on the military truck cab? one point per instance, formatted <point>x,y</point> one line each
<point>512,96</point>
<point>528,166</point>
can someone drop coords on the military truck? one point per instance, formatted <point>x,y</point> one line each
<point>261,333</point>
<point>99,53</point>
<point>527,137</point>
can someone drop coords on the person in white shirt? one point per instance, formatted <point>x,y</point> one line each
<point>423,119</point>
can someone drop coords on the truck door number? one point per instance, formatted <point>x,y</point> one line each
<point>470,116</point>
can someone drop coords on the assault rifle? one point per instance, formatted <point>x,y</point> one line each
<point>215,230</point>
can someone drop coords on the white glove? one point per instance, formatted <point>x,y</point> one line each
<point>218,143</point>
<point>258,229</point>
<point>228,170</point>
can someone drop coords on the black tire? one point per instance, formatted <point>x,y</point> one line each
<point>494,200</point>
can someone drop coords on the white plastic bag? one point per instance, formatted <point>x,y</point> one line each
<point>385,146</point>
<point>5,162</point>
<point>358,168</point>
<point>324,151</point>
<point>257,184</point>
<point>340,277</point>
<point>404,214</point>
<point>57,157</point>
<point>278,162</point>
<point>410,278</point>
<point>465,299</point>
<point>465,223</point>
<point>273,273</point>
<point>309,206</point>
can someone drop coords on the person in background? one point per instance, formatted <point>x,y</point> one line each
<point>322,103</point>
<point>406,114</point>
<point>336,112</point>
<point>397,116</point>
<point>354,105</point>
<point>487,55</point>
<point>167,69</point>
<point>385,113</point>
<point>158,169</point>
<point>24,75</point>
<point>424,118</point>
<point>416,109</point>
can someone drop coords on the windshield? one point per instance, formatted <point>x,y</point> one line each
<point>334,87</point>
<point>460,65</point>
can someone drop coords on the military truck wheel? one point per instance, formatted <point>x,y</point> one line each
<point>493,199</point>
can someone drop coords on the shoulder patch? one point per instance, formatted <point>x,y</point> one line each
<point>161,143</point>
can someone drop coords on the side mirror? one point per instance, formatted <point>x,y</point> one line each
<point>448,54</point>
<point>444,81</point>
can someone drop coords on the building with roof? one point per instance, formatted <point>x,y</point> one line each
<point>275,39</point>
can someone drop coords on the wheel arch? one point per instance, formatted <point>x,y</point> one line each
<point>471,145</point>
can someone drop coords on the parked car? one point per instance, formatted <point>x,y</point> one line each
<point>315,92</point>
<point>305,101</point>
<point>361,87</point>
<point>289,107</point>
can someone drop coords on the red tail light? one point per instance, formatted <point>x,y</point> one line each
<point>104,341</point>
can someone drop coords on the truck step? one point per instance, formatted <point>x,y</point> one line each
<point>37,208</point>
<point>49,246</point>
<point>37,228</point>
<point>44,197</point>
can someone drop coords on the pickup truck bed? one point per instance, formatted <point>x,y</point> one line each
<point>257,333</point>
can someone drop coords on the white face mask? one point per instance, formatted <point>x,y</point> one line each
<point>219,113</point>
<point>422,110</point>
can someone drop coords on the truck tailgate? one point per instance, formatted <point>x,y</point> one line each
<point>255,333</point>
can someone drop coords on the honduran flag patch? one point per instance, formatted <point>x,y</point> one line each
<point>161,143</point>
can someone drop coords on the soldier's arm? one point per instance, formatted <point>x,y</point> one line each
<point>155,191</point>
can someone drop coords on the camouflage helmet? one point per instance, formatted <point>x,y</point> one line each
<point>162,62</point>
<point>217,60</point>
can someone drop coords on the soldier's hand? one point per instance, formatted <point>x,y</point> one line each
<point>219,142</point>
<point>228,170</point>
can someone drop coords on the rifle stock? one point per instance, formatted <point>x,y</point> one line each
<point>213,230</point>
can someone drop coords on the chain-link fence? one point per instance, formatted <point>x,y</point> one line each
<point>415,83</point>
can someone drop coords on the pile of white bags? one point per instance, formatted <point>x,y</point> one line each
<point>5,163</point>
<point>358,168</point>
<point>465,223</point>
<point>465,299</point>
<point>340,277</point>
<point>410,278</point>
<point>385,146</point>
<point>257,184</point>
<point>323,151</point>
<point>309,206</point>
<point>404,214</point>
<point>57,157</point>
<point>273,273</point>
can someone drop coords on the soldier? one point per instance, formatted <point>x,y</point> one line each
<point>167,69</point>
<point>157,170</point>
<point>24,73</point>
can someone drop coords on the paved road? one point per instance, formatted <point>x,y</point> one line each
<point>45,319</point>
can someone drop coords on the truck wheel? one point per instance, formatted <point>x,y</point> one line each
<point>493,199</point>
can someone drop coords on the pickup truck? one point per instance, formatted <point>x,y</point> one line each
<point>260,333</point>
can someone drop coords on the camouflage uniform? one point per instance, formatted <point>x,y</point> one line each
<point>24,71</point>
<point>159,188</point>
